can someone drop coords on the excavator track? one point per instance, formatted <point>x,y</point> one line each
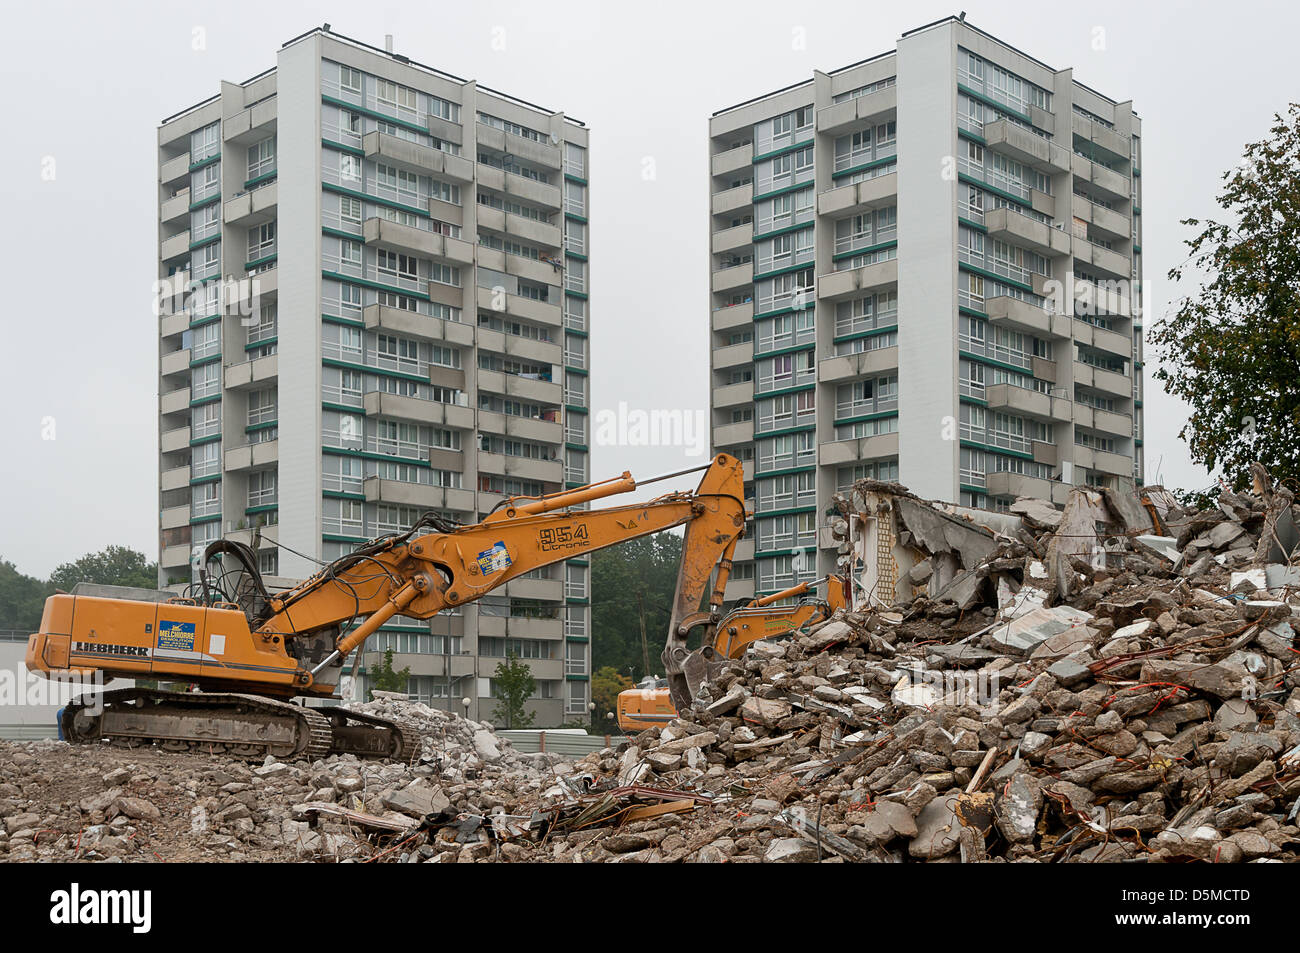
<point>244,726</point>
<point>369,736</point>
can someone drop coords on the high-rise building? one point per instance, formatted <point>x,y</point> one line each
<point>376,306</point>
<point>925,267</point>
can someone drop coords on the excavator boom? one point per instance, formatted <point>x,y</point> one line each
<point>276,646</point>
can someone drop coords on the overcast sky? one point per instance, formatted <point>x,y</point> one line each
<point>87,84</point>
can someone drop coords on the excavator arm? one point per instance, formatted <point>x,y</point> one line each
<point>295,642</point>
<point>420,575</point>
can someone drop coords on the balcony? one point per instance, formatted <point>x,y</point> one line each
<point>525,468</point>
<point>1026,401</point>
<point>1110,382</point>
<point>1026,147</point>
<point>1104,259</point>
<point>546,312</point>
<point>516,385</point>
<point>855,450</point>
<point>543,352</point>
<point>378,490</point>
<point>520,627</point>
<point>738,236</point>
<point>733,316</point>
<point>178,438</point>
<point>378,404</point>
<point>175,210</point>
<point>729,279</point>
<point>732,160</point>
<point>1027,232</point>
<point>1107,421</point>
<point>851,366</point>
<point>1114,184</point>
<point>733,355</point>
<point>529,229</point>
<point>521,266</point>
<point>731,395</point>
<point>851,199</point>
<point>252,455</point>
<point>841,116</point>
<point>174,401</point>
<point>175,170</point>
<point>520,186</point>
<point>172,324</point>
<point>731,200</point>
<point>1018,485</point>
<point>1111,341</point>
<point>414,157</point>
<point>845,284</point>
<point>400,321</point>
<point>174,247</point>
<point>174,362</point>
<point>1118,146</point>
<point>529,150</point>
<point>731,435</point>
<point>175,516</point>
<point>381,233</point>
<point>525,428</point>
<point>248,373</point>
<point>1103,219</point>
<point>251,208</point>
<point>1102,460</point>
<point>175,478</point>
<point>1004,309</point>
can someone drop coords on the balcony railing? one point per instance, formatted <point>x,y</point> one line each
<point>263,496</point>
<point>770,223</point>
<point>997,352</point>
<point>864,154</point>
<point>851,243</point>
<point>863,408</point>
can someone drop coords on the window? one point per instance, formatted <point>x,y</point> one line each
<point>349,168</point>
<point>261,158</point>
<point>350,79</point>
<point>350,210</point>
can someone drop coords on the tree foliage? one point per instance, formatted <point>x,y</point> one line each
<point>646,566</point>
<point>22,598</point>
<point>384,679</point>
<point>114,566</point>
<point>1232,349</point>
<point>514,685</point>
<point>606,683</point>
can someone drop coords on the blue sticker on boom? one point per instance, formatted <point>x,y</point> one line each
<point>494,559</point>
<point>178,636</point>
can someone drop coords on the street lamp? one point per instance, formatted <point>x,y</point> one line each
<point>464,703</point>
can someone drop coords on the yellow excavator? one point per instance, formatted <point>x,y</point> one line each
<point>250,652</point>
<point>651,702</point>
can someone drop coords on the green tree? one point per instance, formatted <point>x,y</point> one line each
<point>384,679</point>
<point>22,598</point>
<point>114,566</point>
<point>606,683</point>
<point>1232,349</point>
<point>514,685</point>
<point>645,567</point>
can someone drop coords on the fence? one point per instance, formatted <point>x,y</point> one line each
<point>568,743</point>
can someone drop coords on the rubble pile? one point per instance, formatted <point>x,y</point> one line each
<point>1111,681</point>
<point>108,803</point>
<point>1044,691</point>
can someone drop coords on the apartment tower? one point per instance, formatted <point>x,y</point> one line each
<point>925,267</point>
<point>376,286</point>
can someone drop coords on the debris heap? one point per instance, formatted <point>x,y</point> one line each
<point>1114,680</point>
